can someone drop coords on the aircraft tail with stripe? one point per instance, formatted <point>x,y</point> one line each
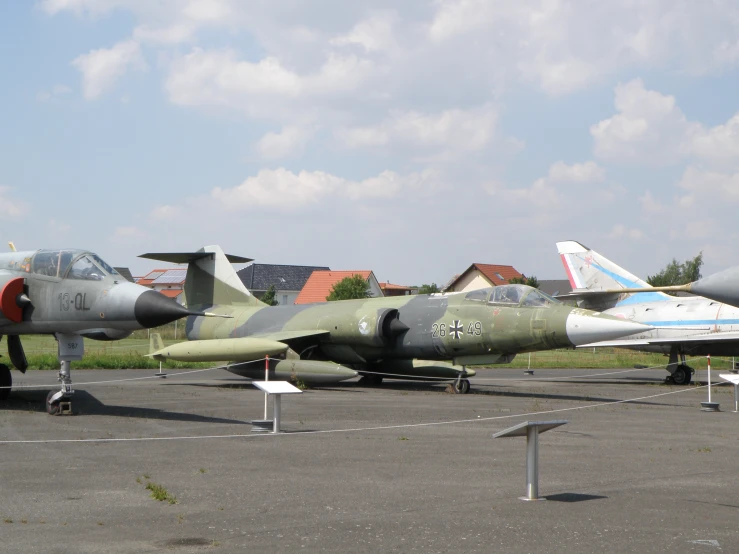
<point>595,279</point>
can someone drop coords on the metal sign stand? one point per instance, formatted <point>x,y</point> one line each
<point>531,430</point>
<point>733,378</point>
<point>161,374</point>
<point>276,389</point>
<point>709,406</point>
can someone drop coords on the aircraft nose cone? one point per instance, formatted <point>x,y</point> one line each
<point>153,309</point>
<point>722,286</point>
<point>585,329</point>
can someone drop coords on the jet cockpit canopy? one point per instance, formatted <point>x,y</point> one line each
<point>64,264</point>
<point>512,295</point>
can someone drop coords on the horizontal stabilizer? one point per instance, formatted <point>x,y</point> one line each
<point>188,257</point>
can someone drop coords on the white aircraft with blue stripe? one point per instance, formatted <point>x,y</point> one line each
<point>683,326</point>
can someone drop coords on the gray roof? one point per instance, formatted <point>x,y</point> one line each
<point>283,277</point>
<point>171,277</point>
<point>125,273</point>
<point>553,287</point>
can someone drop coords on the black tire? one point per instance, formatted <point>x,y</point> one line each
<point>371,380</point>
<point>462,386</point>
<point>681,375</point>
<point>52,407</point>
<point>6,381</point>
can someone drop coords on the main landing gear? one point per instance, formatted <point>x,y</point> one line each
<point>461,385</point>
<point>680,374</point>
<point>71,347</point>
<point>58,402</point>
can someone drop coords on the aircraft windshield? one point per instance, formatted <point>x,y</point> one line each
<point>86,269</point>
<point>52,263</point>
<point>108,269</point>
<point>538,299</point>
<point>507,294</point>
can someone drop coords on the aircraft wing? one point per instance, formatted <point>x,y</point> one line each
<point>703,339</point>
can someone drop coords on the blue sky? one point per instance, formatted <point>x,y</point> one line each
<point>409,138</point>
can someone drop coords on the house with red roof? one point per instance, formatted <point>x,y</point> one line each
<point>320,283</point>
<point>390,289</point>
<point>480,276</point>
<point>170,282</point>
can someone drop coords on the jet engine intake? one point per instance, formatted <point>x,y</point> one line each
<point>368,327</point>
<point>13,299</point>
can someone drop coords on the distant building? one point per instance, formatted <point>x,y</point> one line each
<point>288,280</point>
<point>170,282</point>
<point>554,287</point>
<point>389,289</point>
<point>320,284</point>
<point>480,276</point>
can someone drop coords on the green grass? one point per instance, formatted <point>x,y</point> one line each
<point>158,492</point>
<point>130,354</point>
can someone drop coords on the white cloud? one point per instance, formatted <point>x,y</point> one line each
<point>10,208</point>
<point>650,128</point>
<point>219,79</point>
<point>289,142</point>
<point>128,234</point>
<point>718,146</point>
<point>588,172</point>
<point>284,190</point>
<point>545,192</point>
<point>708,187</point>
<point>623,231</point>
<point>454,131</point>
<point>166,212</point>
<point>53,93</point>
<point>102,68</point>
<point>373,34</point>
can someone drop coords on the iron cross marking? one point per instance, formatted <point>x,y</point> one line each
<point>456,329</point>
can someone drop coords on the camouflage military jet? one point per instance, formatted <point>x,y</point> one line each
<point>71,294</point>
<point>682,326</point>
<point>432,337</point>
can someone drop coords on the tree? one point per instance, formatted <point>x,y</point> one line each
<point>678,273</point>
<point>269,296</point>
<point>350,288</point>
<point>523,280</point>
<point>428,289</point>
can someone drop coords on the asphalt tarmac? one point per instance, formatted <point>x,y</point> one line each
<point>400,468</point>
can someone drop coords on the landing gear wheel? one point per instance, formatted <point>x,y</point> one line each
<point>371,380</point>
<point>6,381</point>
<point>52,407</point>
<point>682,375</point>
<point>462,386</point>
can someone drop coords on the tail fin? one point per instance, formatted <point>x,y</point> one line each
<point>210,280</point>
<point>155,343</point>
<point>589,271</point>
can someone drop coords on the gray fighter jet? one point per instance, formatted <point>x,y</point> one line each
<point>71,294</point>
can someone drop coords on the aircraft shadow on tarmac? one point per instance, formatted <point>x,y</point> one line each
<point>549,396</point>
<point>85,404</point>
<point>420,386</point>
<point>573,497</point>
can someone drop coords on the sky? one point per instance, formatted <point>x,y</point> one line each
<point>410,138</point>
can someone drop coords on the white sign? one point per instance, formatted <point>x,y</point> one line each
<point>71,347</point>
<point>730,377</point>
<point>276,387</point>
